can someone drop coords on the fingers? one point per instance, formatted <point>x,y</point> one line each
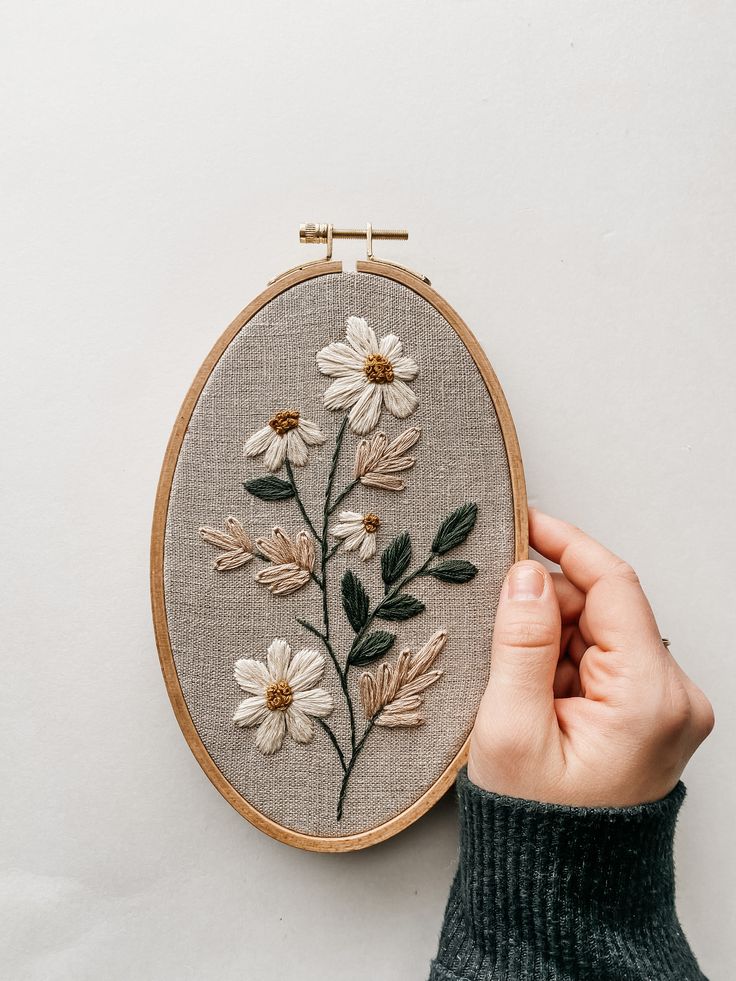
<point>570,598</point>
<point>526,638</point>
<point>617,614</point>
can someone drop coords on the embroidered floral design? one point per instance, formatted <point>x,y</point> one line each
<point>237,546</point>
<point>357,531</point>
<point>377,461</point>
<point>392,697</point>
<point>292,561</point>
<point>370,374</point>
<point>282,695</point>
<point>286,437</point>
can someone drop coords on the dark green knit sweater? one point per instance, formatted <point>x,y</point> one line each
<point>559,893</point>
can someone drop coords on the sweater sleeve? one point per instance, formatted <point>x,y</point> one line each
<point>544,891</point>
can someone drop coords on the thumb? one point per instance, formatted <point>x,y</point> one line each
<point>526,637</point>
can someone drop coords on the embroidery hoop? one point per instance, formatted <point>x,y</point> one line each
<point>301,274</point>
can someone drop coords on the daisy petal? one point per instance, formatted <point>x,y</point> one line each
<point>310,432</point>
<point>298,724</point>
<point>279,655</point>
<point>338,360</point>
<point>251,711</point>
<point>305,670</point>
<point>361,337</point>
<point>354,541</point>
<point>405,369</point>
<point>399,399</point>
<point>345,391</point>
<point>251,675</point>
<point>366,412</point>
<point>316,701</point>
<point>259,442</point>
<point>271,731</point>
<point>391,347</point>
<point>367,547</point>
<point>296,448</point>
<point>275,454</point>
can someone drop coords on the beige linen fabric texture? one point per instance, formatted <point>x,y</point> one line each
<point>217,617</point>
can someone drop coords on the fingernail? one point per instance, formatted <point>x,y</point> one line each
<point>526,582</point>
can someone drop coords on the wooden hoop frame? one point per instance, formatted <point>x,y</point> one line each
<point>391,827</point>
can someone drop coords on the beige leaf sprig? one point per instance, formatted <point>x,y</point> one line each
<point>235,542</point>
<point>392,697</point>
<point>377,461</point>
<point>292,562</point>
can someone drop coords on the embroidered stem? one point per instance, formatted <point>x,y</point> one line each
<point>297,498</point>
<point>342,495</point>
<point>349,769</point>
<point>333,740</point>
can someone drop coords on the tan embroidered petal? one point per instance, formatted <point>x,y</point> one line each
<point>234,540</point>
<point>392,697</point>
<point>283,579</point>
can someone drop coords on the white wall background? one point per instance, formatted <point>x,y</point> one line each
<point>567,174</point>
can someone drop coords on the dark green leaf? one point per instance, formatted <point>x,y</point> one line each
<point>270,488</point>
<point>454,570</point>
<point>354,601</point>
<point>371,647</point>
<point>455,528</point>
<point>396,558</point>
<point>399,608</point>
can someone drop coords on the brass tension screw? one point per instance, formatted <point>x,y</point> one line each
<point>314,233</point>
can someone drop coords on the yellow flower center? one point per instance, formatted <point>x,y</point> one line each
<point>371,523</point>
<point>285,420</point>
<point>279,696</point>
<point>378,369</point>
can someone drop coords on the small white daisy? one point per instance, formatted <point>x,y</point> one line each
<point>282,695</point>
<point>286,437</point>
<point>358,531</point>
<point>369,375</point>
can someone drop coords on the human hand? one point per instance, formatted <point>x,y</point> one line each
<point>584,705</point>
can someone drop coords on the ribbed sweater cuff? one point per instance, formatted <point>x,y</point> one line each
<point>563,893</point>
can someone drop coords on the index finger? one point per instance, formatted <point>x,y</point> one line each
<point>617,613</point>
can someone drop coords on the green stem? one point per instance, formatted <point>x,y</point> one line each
<point>300,503</point>
<point>349,769</point>
<point>335,743</point>
<point>342,495</point>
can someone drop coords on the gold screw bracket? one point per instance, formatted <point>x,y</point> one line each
<point>313,233</point>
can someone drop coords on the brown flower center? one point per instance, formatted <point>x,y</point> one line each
<point>279,696</point>
<point>285,420</point>
<point>378,369</point>
<point>371,523</point>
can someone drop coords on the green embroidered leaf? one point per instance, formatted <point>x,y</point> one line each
<point>454,570</point>
<point>455,528</point>
<point>355,601</point>
<point>371,647</point>
<point>399,608</point>
<point>396,558</point>
<point>270,488</point>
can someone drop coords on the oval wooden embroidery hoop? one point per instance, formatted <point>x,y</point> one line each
<point>391,827</point>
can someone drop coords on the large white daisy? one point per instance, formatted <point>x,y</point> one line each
<point>282,695</point>
<point>370,374</point>
<point>286,437</point>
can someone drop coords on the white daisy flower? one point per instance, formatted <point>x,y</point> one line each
<point>286,437</point>
<point>369,375</point>
<point>282,695</point>
<point>291,561</point>
<point>358,531</point>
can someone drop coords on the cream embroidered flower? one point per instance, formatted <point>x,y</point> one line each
<point>292,561</point>
<point>369,374</point>
<point>238,548</point>
<point>286,437</point>
<point>377,461</point>
<point>357,531</point>
<point>392,697</point>
<point>282,695</point>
